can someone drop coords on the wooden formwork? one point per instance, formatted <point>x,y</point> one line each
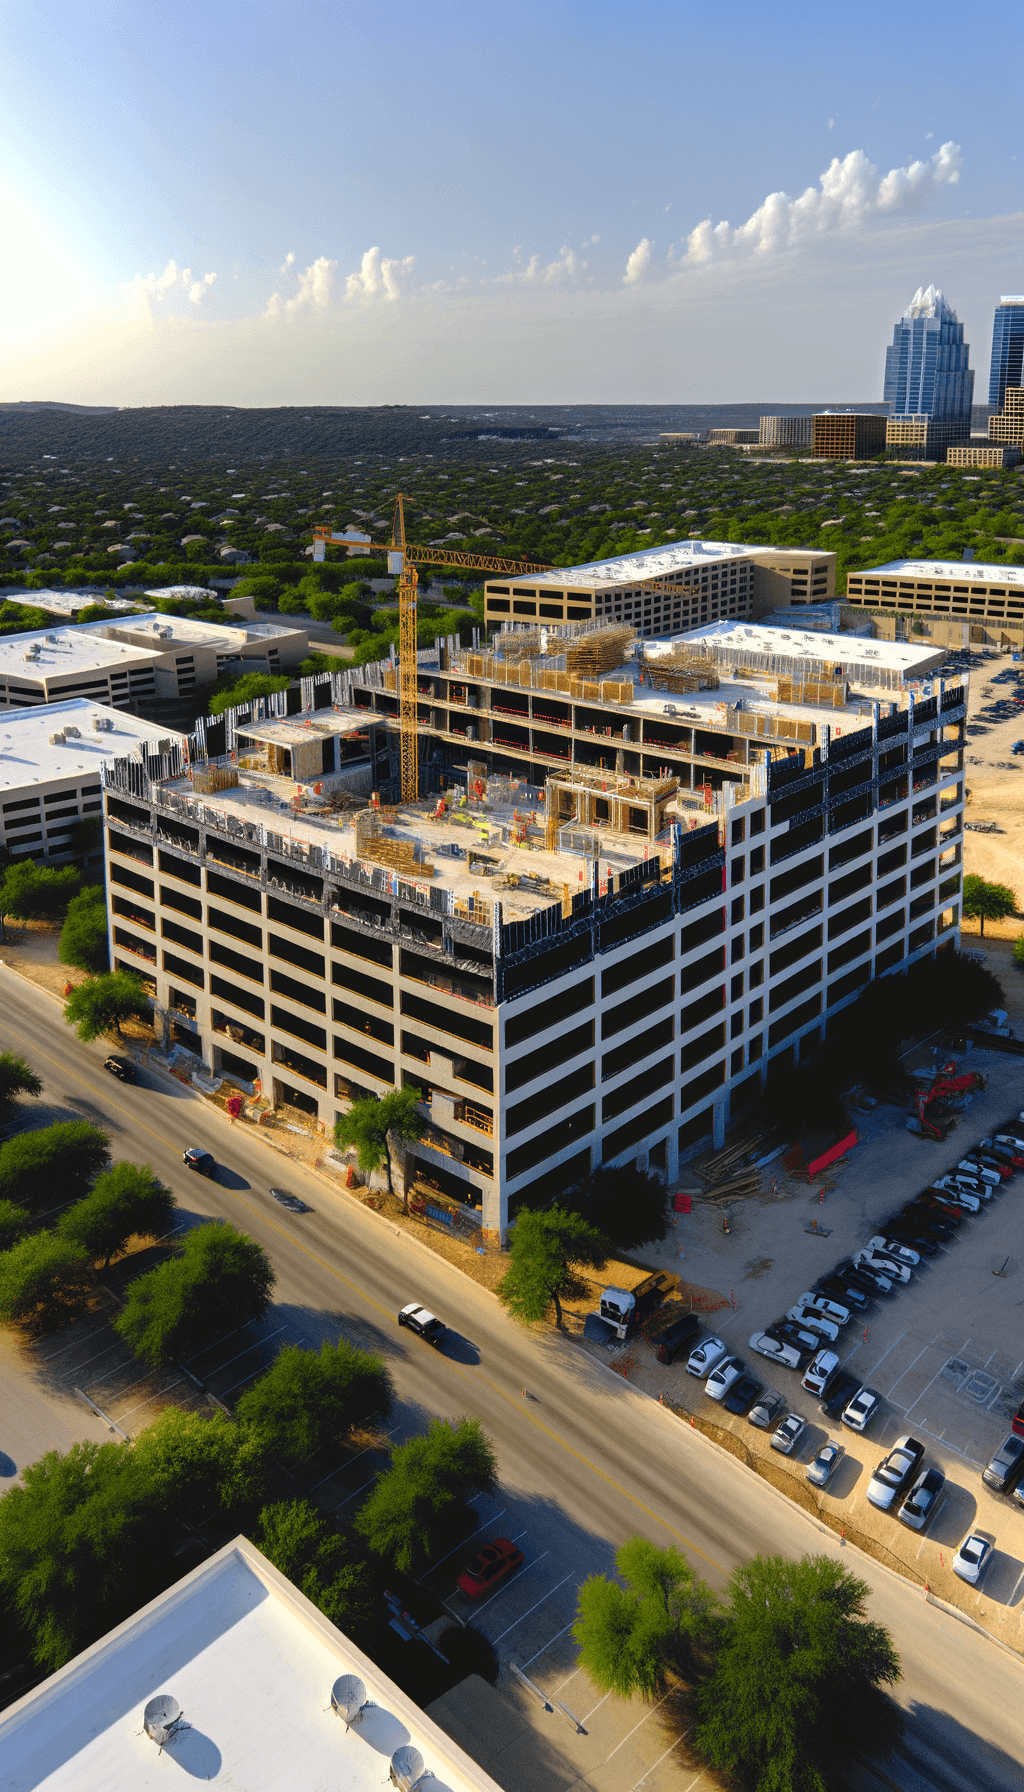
<point>824,693</point>
<point>208,779</point>
<point>602,650</point>
<point>398,855</point>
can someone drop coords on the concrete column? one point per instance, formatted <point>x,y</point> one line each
<point>720,1118</point>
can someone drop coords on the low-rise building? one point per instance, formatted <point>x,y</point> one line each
<point>645,869</point>
<point>231,1675</point>
<point>1006,427</point>
<point>665,589</point>
<point>971,591</point>
<point>139,659</point>
<point>848,435</point>
<point>51,761</point>
<point>786,432</point>
<point>982,454</point>
<point>924,437</point>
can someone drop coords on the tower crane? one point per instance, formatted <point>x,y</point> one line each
<point>402,559</point>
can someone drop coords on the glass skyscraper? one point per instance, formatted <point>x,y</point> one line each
<point>1007,350</point>
<point>927,367</point>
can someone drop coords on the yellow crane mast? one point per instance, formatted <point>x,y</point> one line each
<point>402,559</point>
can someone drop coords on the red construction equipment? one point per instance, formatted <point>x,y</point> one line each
<point>944,1084</point>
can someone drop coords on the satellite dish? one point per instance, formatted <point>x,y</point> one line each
<point>160,1717</point>
<point>348,1695</point>
<point>406,1767</point>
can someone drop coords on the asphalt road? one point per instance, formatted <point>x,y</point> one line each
<point>591,1460</point>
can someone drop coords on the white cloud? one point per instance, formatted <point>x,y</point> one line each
<point>377,277</point>
<point>316,285</point>
<point>565,266</point>
<point>638,263</point>
<point>851,192</point>
<point>145,290</point>
<point>287,262</point>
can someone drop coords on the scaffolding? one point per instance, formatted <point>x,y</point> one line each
<point>582,803</point>
<point>403,856</point>
<point>683,671</point>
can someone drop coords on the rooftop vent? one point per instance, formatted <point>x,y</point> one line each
<point>102,724</point>
<point>164,744</point>
<point>406,1768</point>
<point>51,638</point>
<point>160,1717</point>
<point>57,740</point>
<point>348,1696</point>
<point>73,733</point>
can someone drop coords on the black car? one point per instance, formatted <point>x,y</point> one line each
<point>837,1288</point>
<point>856,1277</point>
<point>292,1202</point>
<point>120,1066</point>
<point>786,1331</point>
<point>422,1322</point>
<point>934,1224</point>
<point>907,1231</point>
<point>1006,1466</point>
<point>742,1394</point>
<point>918,1509</point>
<point>938,1204</point>
<point>680,1335</point>
<point>195,1158</point>
<point>840,1393</point>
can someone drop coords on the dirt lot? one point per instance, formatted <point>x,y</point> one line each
<point>996,794</point>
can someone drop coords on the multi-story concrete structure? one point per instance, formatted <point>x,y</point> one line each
<point>786,432</point>
<point>1006,428</point>
<point>731,438</point>
<point>983,454</point>
<point>847,435</point>
<point>50,768</point>
<point>970,590</point>
<point>648,879</point>
<point>1007,365</point>
<point>139,659</point>
<point>929,386</point>
<point>665,589</point>
<point>259,1690</point>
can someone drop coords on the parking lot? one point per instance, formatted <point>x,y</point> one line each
<point>945,1351</point>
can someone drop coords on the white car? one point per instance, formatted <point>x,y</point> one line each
<point>702,1360</point>
<point>789,1433</point>
<point>862,1409</point>
<point>832,1309</point>
<point>1012,1141</point>
<point>721,1379</point>
<point>974,1555</point>
<point>787,1354</point>
<point>969,1197</point>
<point>819,1373</point>
<point>899,1272</point>
<point>814,1322</point>
<point>825,1463</point>
<point>991,1177</point>
<point>898,1253</point>
<point>895,1472</point>
<point>958,1197</point>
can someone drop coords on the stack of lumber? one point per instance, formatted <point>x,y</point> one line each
<point>726,1177</point>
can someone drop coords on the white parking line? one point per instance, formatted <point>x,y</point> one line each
<point>533,1608</point>
<point>593,1708</point>
<point>54,1354</point>
<point>885,1353</point>
<point>348,1464</point>
<point>240,1353</point>
<point>518,1578</point>
<point>149,1402</point>
<point>634,1730</point>
<point>661,1758</point>
<point>551,1639</point>
<point>114,1342</point>
<point>238,1384</point>
<point>906,1372</point>
<point>352,1496</point>
<point>465,1540</point>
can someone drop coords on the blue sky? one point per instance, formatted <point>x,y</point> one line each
<point>550,202</point>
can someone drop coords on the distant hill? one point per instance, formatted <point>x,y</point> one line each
<point>50,404</point>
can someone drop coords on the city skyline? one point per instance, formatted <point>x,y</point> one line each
<point>228,235</point>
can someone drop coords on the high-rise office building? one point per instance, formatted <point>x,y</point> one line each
<point>1007,367</point>
<point>929,385</point>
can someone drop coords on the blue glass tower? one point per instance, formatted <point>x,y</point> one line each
<point>927,367</point>
<point>1007,350</point>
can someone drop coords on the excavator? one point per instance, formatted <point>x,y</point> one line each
<point>936,1124</point>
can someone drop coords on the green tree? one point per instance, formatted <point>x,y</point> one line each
<point>16,1078</point>
<point>43,1279</point>
<point>373,1125</point>
<point>198,1463</point>
<point>105,1001</point>
<point>546,1250</point>
<point>630,1637</point>
<point>984,901</point>
<point>83,937</point>
<point>629,1206</point>
<point>798,1684</point>
<point>31,892</point>
<point>14,1223</point>
<point>124,1202</point>
<point>1018,951</point>
<point>53,1164</point>
<point>300,1542</point>
<point>235,693</point>
<point>310,1398</point>
<point>420,1500</point>
<point>220,1281</point>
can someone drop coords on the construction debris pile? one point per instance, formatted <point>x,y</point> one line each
<point>684,670</point>
<point>730,1175</point>
<point>404,856</point>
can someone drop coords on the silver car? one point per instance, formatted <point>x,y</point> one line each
<point>814,1322</point>
<point>702,1360</point>
<point>832,1309</point>
<point>974,1555</point>
<point>789,1433</point>
<point>825,1463</point>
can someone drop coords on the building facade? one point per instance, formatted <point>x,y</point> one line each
<point>928,379</point>
<point>786,432</point>
<point>1006,428</point>
<point>633,896</point>
<point>847,435</point>
<point>969,590</point>
<point>982,454</point>
<point>665,590</point>
<point>1007,365</point>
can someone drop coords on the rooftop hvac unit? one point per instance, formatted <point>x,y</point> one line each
<point>31,653</point>
<point>57,740</point>
<point>164,744</point>
<point>348,1696</point>
<point>406,1767</point>
<point>51,638</point>
<point>73,733</point>
<point>160,1717</point>
<point>103,724</point>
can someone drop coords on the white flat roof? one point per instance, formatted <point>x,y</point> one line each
<point>794,643</point>
<point>27,758</point>
<point>68,603</point>
<point>251,1663</point>
<point>646,563</point>
<point>69,650</point>
<point>181,631</point>
<point>959,572</point>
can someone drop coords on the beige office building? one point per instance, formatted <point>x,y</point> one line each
<point>969,590</point>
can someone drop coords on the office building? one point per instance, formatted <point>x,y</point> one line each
<point>645,869</point>
<point>982,454</point>
<point>731,438</point>
<point>1006,428</point>
<point>970,591</point>
<point>1007,366</point>
<point>50,766</point>
<point>231,1675</point>
<point>666,589</point>
<point>929,386</point>
<point>847,435</point>
<point>786,432</point>
<point>139,659</point>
